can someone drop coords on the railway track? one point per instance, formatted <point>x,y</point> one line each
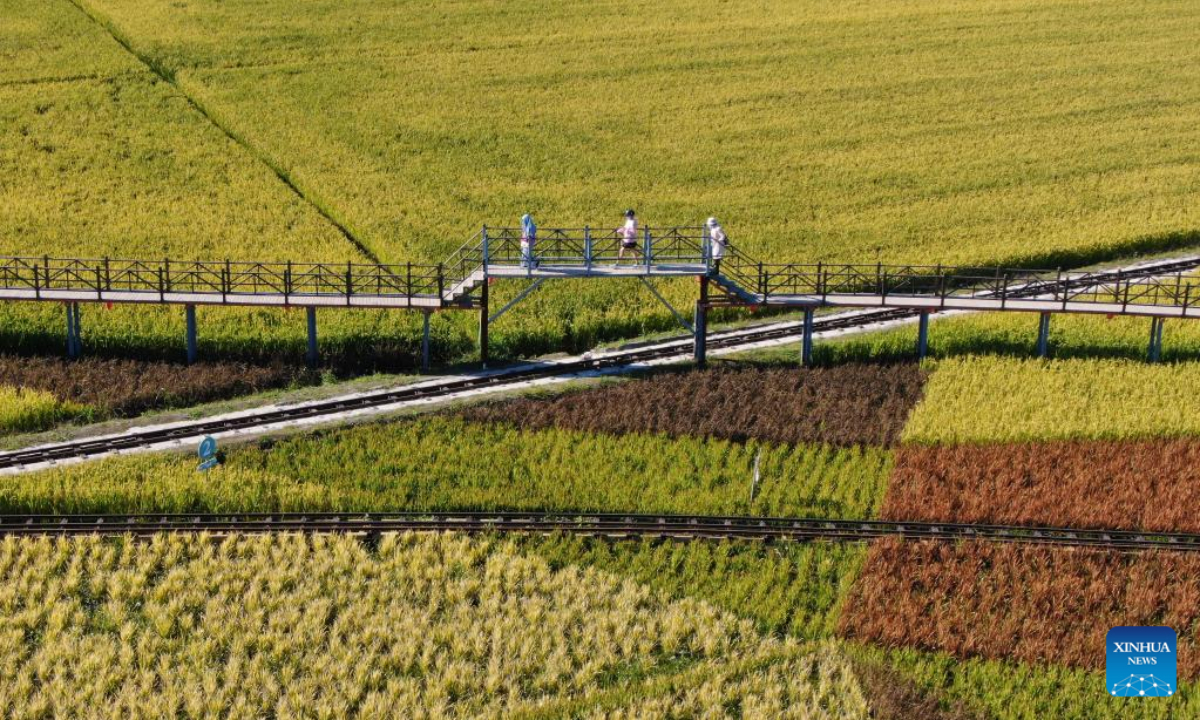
<point>163,437</point>
<point>607,525</point>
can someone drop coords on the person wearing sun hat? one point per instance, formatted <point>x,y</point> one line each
<point>718,242</point>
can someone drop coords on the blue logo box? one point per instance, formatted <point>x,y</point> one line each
<point>1140,661</point>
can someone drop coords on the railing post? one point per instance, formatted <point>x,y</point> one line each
<point>441,284</point>
<point>227,281</point>
<point>762,283</point>
<point>162,285</point>
<point>1043,342</point>
<point>819,289</point>
<point>587,248</point>
<point>287,283</point>
<point>1004,291</point>
<point>166,274</point>
<point>408,285</point>
<point>649,249</point>
<point>486,252</point>
<point>189,311</point>
<point>349,281</point>
<point>37,283</point>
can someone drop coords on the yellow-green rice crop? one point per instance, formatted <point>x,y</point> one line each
<point>44,41</point>
<point>997,399</point>
<point>944,131</point>
<point>123,166</point>
<point>442,464</point>
<point>26,410</point>
<point>424,626</point>
<point>947,131</point>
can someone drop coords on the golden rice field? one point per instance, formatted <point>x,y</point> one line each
<point>422,627</point>
<point>26,410</point>
<point>947,131</point>
<point>997,399</point>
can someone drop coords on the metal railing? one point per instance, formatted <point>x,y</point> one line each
<point>668,250</point>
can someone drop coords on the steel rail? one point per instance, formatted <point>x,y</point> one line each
<point>609,525</point>
<point>88,447</point>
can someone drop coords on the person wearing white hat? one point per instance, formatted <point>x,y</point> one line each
<point>719,241</point>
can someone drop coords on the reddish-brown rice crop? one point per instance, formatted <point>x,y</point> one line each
<point>841,405</point>
<point>127,387</point>
<point>1150,485</point>
<point>1025,603</point>
<point>892,696</point>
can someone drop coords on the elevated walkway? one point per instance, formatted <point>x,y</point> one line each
<point>461,283</point>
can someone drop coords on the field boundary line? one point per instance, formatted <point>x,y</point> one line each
<point>169,76</point>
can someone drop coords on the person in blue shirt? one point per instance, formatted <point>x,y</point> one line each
<point>528,239</point>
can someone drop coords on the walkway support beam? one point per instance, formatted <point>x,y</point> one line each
<point>678,316</point>
<point>189,313</point>
<point>311,356</point>
<point>923,335</point>
<point>700,323</point>
<point>425,344</point>
<point>1156,336</point>
<point>74,337</point>
<point>483,321</point>
<point>806,344</point>
<point>1043,341</point>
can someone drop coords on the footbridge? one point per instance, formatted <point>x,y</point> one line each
<point>1156,291</point>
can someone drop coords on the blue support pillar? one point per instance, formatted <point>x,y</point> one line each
<point>806,345</point>
<point>1043,342</point>
<point>311,355</point>
<point>425,350</point>
<point>700,326</point>
<point>483,323</point>
<point>923,335</point>
<point>1156,334</point>
<point>190,314</point>
<point>74,344</point>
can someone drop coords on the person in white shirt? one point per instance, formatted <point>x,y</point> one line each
<point>629,236</point>
<point>719,241</point>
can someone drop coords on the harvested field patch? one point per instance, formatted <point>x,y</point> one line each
<point>1029,604</point>
<point>842,405</point>
<point>128,387</point>
<point>1127,485</point>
